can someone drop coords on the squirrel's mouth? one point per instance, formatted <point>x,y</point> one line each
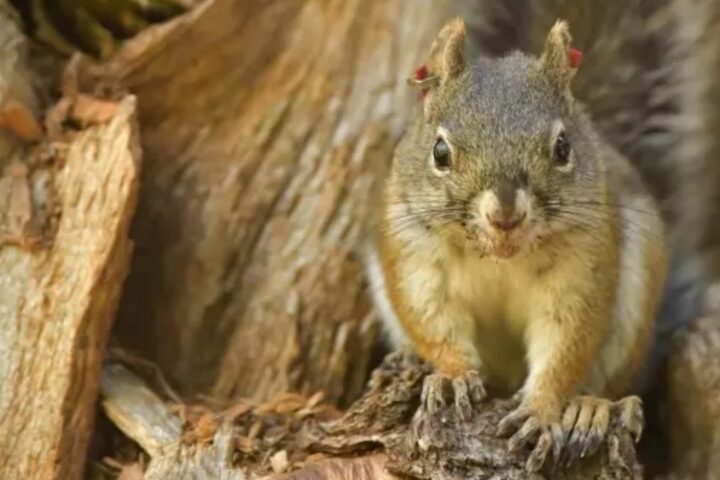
<point>501,245</point>
<point>507,244</point>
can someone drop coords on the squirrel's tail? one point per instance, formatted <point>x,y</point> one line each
<point>650,78</point>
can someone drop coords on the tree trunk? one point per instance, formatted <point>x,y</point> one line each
<point>265,125</point>
<point>65,211</point>
<point>693,402</point>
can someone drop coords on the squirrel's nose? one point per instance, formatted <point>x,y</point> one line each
<point>504,208</point>
<point>505,220</point>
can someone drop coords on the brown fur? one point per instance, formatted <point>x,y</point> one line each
<point>436,350</point>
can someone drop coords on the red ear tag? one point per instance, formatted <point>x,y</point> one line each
<point>421,72</point>
<point>423,80</point>
<point>575,57</point>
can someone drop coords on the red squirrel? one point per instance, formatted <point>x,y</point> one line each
<point>518,251</point>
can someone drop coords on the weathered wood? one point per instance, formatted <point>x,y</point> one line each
<point>208,461</point>
<point>693,401</point>
<point>385,433</point>
<point>362,468</point>
<point>137,411</point>
<point>265,125</point>
<point>57,302</point>
<point>692,406</point>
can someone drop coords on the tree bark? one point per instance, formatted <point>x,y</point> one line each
<point>265,125</point>
<point>693,402</point>
<point>64,253</point>
<point>386,434</point>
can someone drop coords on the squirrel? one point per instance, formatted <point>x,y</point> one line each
<point>519,250</point>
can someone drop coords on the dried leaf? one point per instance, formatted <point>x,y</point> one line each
<point>283,404</point>
<point>20,120</point>
<point>279,461</point>
<point>205,428</point>
<point>238,410</point>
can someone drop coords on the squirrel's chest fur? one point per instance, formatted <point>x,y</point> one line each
<point>492,302</point>
<point>498,293</point>
<point>502,297</point>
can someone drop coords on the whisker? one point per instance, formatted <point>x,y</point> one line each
<point>628,227</point>
<point>624,221</point>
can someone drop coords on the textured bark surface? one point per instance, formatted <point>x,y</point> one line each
<point>385,433</point>
<point>264,124</point>
<point>692,410</point>
<point>57,301</point>
<point>693,402</point>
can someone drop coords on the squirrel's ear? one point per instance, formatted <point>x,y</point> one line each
<point>447,57</point>
<point>557,61</point>
<point>447,53</point>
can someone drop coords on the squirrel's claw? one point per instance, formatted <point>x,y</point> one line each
<point>587,419</point>
<point>547,436</point>
<point>631,415</point>
<point>512,421</point>
<point>585,425</point>
<point>526,434</point>
<point>434,391</point>
<point>467,390</point>
<point>545,442</point>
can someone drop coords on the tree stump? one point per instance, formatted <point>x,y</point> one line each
<point>265,126</point>
<point>386,434</point>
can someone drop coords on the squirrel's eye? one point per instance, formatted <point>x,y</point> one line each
<point>441,155</point>
<point>562,149</point>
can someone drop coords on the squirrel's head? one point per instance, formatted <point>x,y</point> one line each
<point>499,147</point>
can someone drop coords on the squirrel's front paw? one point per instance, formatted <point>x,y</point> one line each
<point>467,390</point>
<point>580,432</point>
<point>586,421</point>
<point>531,426</point>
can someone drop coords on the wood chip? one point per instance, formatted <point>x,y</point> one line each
<point>279,461</point>
<point>20,120</point>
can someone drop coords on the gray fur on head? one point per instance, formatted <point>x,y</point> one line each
<point>501,119</point>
